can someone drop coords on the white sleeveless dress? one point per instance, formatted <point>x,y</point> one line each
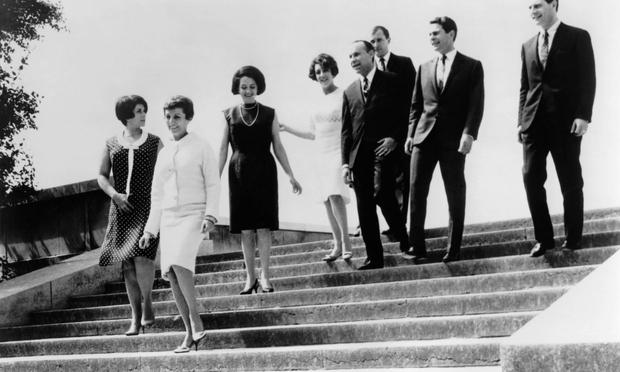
<point>326,122</point>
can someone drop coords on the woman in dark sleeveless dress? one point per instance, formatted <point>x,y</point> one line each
<point>130,157</point>
<point>251,129</point>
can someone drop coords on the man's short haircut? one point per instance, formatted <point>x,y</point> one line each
<point>446,23</point>
<point>327,63</point>
<point>385,31</point>
<point>125,106</point>
<point>183,103</point>
<point>367,44</point>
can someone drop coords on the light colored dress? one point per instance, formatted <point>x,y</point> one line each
<point>186,187</point>
<point>326,123</point>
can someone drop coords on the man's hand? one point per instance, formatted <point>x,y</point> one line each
<point>347,176</point>
<point>466,143</point>
<point>386,145</point>
<point>409,146</point>
<point>519,134</point>
<point>207,226</point>
<point>579,127</point>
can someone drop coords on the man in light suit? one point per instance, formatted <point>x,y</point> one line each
<point>370,128</point>
<point>446,112</point>
<point>555,107</point>
<point>403,68</point>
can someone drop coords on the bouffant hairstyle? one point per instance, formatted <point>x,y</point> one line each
<point>125,106</point>
<point>446,23</point>
<point>327,63</point>
<point>183,103</point>
<point>251,72</point>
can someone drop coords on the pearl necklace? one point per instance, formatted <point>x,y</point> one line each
<point>241,108</point>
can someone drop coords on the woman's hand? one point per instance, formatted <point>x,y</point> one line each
<point>145,240</point>
<point>207,226</point>
<point>296,186</point>
<point>122,201</point>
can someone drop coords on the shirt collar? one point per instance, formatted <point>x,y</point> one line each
<point>122,140</point>
<point>370,75</point>
<point>449,56</point>
<point>553,29</point>
<point>386,58</point>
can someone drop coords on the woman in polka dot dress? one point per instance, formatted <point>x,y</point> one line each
<point>130,157</point>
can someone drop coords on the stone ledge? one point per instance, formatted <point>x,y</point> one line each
<point>51,287</point>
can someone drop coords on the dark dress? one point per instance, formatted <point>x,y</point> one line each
<point>125,229</point>
<point>252,176</point>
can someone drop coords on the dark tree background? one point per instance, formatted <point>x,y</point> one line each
<point>21,22</point>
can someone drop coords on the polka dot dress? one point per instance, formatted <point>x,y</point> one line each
<point>133,163</point>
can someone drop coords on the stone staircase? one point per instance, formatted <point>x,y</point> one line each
<point>328,316</point>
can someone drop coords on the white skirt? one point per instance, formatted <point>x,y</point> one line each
<point>180,238</point>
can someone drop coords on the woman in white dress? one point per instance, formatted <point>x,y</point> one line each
<point>325,130</point>
<point>184,203</point>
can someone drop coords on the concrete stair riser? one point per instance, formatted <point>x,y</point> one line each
<point>522,223</point>
<point>391,260</point>
<point>511,301</point>
<point>471,326</point>
<point>473,246</point>
<point>396,354</point>
<point>428,287</point>
<point>310,252</point>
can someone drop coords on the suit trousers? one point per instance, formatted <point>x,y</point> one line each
<point>543,136</point>
<point>387,170</point>
<point>364,185</point>
<point>424,158</point>
<point>402,183</point>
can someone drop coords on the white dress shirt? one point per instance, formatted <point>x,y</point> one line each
<point>541,36</point>
<point>443,75</point>
<point>386,59</point>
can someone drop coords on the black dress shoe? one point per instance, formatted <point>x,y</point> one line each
<point>370,266</point>
<point>571,246</point>
<point>539,249</point>
<point>357,232</point>
<point>450,257</point>
<point>386,232</point>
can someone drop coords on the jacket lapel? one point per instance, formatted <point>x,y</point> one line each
<point>557,40</point>
<point>456,65</point>
<point>432,64</point>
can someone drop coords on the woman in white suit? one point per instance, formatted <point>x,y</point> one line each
<point>184,203</point>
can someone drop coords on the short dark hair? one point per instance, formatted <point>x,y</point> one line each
<point>251,72</point>
<point>558,4</point>
<point>367,44</point>
<point>446,23</point>
<point>385,31</point>
<point>327,63</point>
<point>183,103</point>
<point>125,106</point>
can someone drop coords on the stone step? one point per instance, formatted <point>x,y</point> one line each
<point>472,354</point>
<point>391,260</point>
<point>477,246</point>
<point>523,222</point>
<point>424,328</point>
<point>484,283</point>
<point>485,303</point>
<point>287,254</point>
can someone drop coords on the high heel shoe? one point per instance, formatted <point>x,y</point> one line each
<point>347,256</point>
<point>136,331</point>
<point>253,288</point>
<point>264,289</point>
<point>195,341</point>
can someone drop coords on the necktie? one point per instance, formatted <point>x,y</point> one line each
<point>544,50</point>
<point>442,71</point>
<point>382,60</point>
<point>365,88</point>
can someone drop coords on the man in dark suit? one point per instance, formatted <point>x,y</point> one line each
<point>370,127</point>
<point>555,107</point>
<point>403,68</point>
<point>446,112</point>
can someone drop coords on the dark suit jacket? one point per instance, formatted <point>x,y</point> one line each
<point>566,85</point>
<point>372,120</point>
<point>456,110</point>
<point>403,67</point>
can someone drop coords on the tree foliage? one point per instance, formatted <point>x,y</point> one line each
<point>21,23</point>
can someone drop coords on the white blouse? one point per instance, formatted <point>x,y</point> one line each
<point>131,146</point>
<point>185,177</point>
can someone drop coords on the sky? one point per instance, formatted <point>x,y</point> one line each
<point>160,48</point>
